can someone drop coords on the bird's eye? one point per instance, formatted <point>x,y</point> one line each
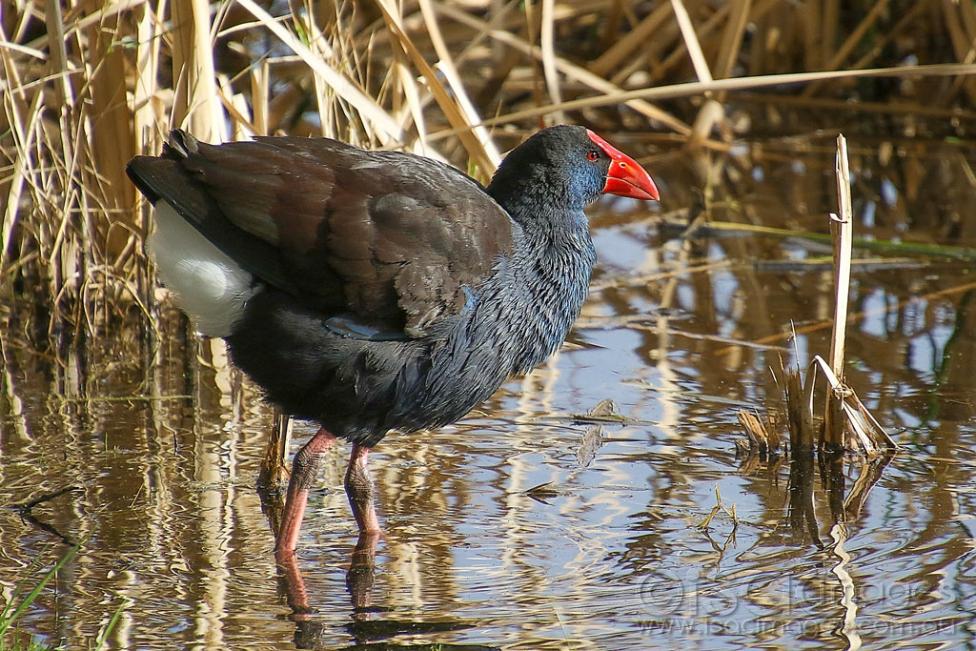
<point>592,155</point>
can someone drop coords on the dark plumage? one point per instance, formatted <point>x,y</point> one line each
<point>384,290</point>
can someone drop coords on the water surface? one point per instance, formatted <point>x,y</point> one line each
<point>525,526</point>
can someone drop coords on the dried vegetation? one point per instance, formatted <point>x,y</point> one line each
<point>847,425</point>
<point>85,86</point>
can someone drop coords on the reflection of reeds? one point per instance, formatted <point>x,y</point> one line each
<point>84,90</point>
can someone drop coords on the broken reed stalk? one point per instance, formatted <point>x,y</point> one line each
<point>847,424</point>
<point>842,234</point>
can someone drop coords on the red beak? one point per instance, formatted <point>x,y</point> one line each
<point>625,177</point>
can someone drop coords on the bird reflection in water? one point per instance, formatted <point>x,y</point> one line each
<point>359,576</point>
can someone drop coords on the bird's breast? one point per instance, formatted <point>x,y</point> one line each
<point>536,306</point>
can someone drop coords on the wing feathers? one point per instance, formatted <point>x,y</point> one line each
<point>385,237</point>
<point>164,178</point>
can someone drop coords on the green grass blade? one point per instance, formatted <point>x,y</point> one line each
<point>110,626</point>
<point>8,619</point>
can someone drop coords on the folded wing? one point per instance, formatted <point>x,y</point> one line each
<point>386,240</point>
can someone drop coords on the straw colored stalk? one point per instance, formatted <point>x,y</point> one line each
<point>571,70</point>
<point>448,103</point>
<point>385,128</point>
<point>690,89</point>
<point>196,107</point>
<point>111,140</point>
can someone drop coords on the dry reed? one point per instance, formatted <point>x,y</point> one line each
<point>85,87</point>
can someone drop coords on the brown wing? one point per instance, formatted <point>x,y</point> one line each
<point>388,238</point>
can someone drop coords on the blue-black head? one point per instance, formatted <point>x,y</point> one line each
<point>566,168</point>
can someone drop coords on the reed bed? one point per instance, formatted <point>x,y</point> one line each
<point>85,87</point>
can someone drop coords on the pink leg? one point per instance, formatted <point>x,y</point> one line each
<point>359,490</point>
<point>304,471</point>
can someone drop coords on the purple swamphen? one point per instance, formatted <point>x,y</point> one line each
<point>371,291</point>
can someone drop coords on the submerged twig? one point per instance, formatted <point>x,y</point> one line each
<point>25,512</point>
<point>274,470</point>
<point>605,411</point>
<point>26,507</point>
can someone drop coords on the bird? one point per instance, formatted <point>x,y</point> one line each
<point>371,291</point>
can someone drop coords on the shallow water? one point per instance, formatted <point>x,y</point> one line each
<point>524,526</point>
